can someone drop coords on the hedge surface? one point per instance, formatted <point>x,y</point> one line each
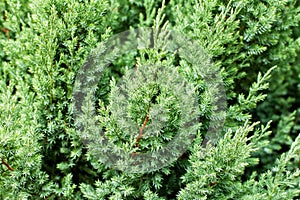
<point>254,44</point>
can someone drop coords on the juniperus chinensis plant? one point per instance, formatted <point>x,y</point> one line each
<point>48,152</point>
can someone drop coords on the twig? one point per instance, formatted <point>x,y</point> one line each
<point>6,31</point>
<point>141,131</point>
<point>139,137</point>
<point>7,165</point>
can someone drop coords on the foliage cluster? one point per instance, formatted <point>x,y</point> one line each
<point>254,44</point>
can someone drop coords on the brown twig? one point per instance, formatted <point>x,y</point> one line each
<point>141,131</point>
<point>6,31</point>
<point>7,165</point>
<point>139,137</point>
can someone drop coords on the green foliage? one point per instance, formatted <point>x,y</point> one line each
<point>43,45</point>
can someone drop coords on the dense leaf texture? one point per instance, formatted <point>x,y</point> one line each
<point>254,44</point>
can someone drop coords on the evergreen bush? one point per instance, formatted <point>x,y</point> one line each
<point>254,47</point>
